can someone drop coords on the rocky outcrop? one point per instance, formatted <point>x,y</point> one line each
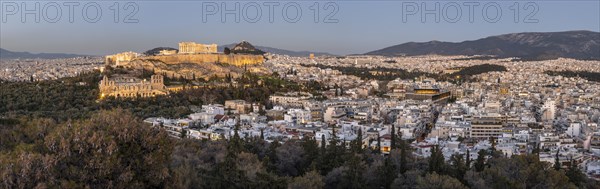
<point>194,70</point>
<point>231,59</point>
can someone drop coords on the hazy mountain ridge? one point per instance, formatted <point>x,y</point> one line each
<point>156,51</point>
<point>278,51</point>
<point>530,45</point>
<point>6,54</point>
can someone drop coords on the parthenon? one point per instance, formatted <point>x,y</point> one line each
<point>192,48</point>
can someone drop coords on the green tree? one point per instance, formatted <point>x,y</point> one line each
<point>111,149</point>
<point>468,159</point>
<point>227,174</point>
<point>436,181</point>
<point>436,160</point>
<point>311,150</point>
<point>236,143</point>
<point>388,171</point>
<point>458,168</point>
<point>183,133</point>
<point>393,139</point>
<point>480,161</point>
<point>311,179</point>
<point>404,153</point>
<point>322,156</point>
<point>575,175</point>
<point>356,144</point>
<point>271,158</point>
<point>378,150</point>
<point>352,176</point>
<point>557,160</point>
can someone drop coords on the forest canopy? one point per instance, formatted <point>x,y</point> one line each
<point>114,149</point>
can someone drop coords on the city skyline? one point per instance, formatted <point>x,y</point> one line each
<point>243,94</point>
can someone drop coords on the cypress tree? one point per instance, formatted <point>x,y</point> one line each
<point>311,151</point>
<point>333,152</point>
<point>393,140</point>
<point>468,159</point>
<point>480,161</point>
<point>357,143</point>
<point>378,143</point>
<point>271,157</point>
<point>389,172</point>
<point>236,143</point>
<point>436,160</point>
<point>557,161</point>
<point>323,155</point>
<point>403,155</point>
<point>262,134</point>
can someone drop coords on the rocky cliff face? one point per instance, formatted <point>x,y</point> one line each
<point>200,65</point>
<point>231,59</point>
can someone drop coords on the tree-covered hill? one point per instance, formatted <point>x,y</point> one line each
<point>77,97</point>
<point>590,76</point>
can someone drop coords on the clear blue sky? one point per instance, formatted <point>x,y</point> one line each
<point>362,25</point>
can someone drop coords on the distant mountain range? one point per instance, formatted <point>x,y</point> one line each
<point>529,46</point>
<point>534,45</point>
<point>6,54</point>
<point>277,51</point>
